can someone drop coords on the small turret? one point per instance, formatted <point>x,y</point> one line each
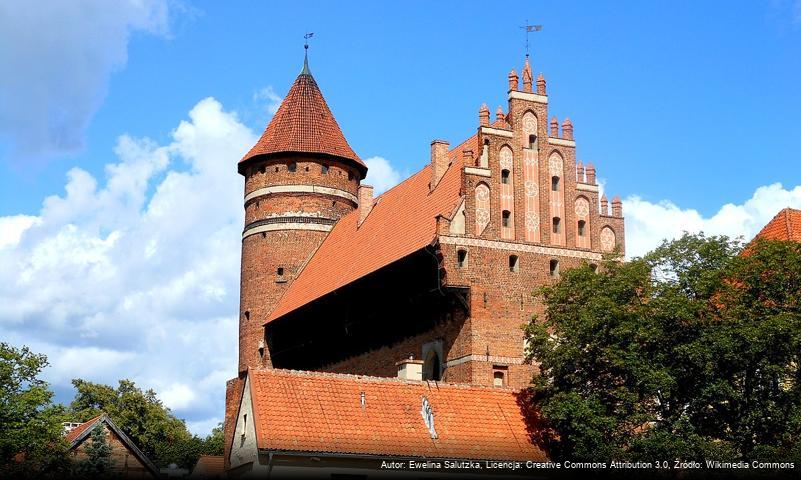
<point>528,80</point>
<point>580,172</point>
<point>567,129</point>
<point>617,207</point>
<point>540,84</point>
<point>513,81</point>
<point>483,115</point>
<point>554,128</point>
<point>590,174</point>
<point>499,115</point>
<point>604,205</point>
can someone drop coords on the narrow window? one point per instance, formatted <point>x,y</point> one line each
<point>276,169</point>
<point>498,379</point>
<point>554,268</point>
<point>514,263</point>
<point>594,268</point>
<point>350,176</point>
<point>505,176</point>
<point>432,370</point>
<point>292,167</point>
<point>261,169</point>
<point>555,184</point>
<point>532,141</point>
<point>557,225</point>
<point>507,218</point>
<point>581,226</point>
<point>247,315</point>
<point>280,271</point>
<point>461,258</point>
<point>325,170</point>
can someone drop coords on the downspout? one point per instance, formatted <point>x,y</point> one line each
<point>269,464</point>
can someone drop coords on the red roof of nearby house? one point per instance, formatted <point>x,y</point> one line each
<point>304,123</point>
<point>402,221</point>
<point>322,412</point>
<point>209,466</point>
<point>76,432</point>
<point>786,225</point>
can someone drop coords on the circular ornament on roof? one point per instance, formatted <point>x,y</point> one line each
<point>532,221</point>
<point>607,239</point>
<point>582,207</point>
<point>555,165</point>
<point>506,158</point>
<point>531,188</point>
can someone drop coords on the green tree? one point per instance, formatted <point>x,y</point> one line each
<point>31,439</point>
<point>689,352</point>
<point>98,455</point>
<point>161,435</point>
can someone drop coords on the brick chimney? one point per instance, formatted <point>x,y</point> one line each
<point>439,161</point>
<point>365,201</point>
<point>410,369</point>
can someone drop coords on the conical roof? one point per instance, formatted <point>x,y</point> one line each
<point>304,124</point>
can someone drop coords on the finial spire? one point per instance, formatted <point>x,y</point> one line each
<point>530,28</point>
<point>306,70</point>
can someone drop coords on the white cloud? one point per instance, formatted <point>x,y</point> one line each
<point>112,281</point>
<point>54,78</point>
<point>268,98</point>
<point>381,174</point>
<point>647,224</point>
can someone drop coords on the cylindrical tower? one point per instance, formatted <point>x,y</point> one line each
<point>301,177</point>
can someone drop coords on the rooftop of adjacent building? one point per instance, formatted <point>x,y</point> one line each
<point>786,225</point>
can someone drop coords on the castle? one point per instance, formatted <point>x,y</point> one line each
<point>431,280</point>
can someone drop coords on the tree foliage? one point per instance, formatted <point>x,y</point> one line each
<point>161,435</point>
<point>97,463</point>
<point>689,352</point>
<point>30,425</point>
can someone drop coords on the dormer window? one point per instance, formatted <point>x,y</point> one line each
<point>292,167</point>
<point>507,218</point>
<point>554,184</point>
<point>505,176</point>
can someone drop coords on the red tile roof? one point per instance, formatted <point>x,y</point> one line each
<point>209,466</point>
<point>304,123</point>
<point>786,225</point>
<point>76,432</point>
<point>402,221</point>
<point>322,412</point>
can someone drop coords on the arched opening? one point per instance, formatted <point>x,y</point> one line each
<point>554,184</point>
<point>498,379</point>
<point>505,176</point>
<point>432,369</point>
<point>554,268</point>
<point>532,141</point>
<point>324,170</point>
<point>507,218</point>
<point>582,226</point>
<point>292,167</point>
<point>461,258</point>
<point>557,225</point>
<point>514,263</point>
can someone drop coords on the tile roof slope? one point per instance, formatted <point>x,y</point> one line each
<point>402,221</point>
<point>77,431</point>
<point>304,123</point>
<point>786,225</point>
<point>209,466</point>
<point>322,412</point>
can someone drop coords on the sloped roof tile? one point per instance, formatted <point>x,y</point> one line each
<point>786,225</point>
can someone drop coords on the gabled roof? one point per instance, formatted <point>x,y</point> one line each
<point>209,466</point>
<point>402,221</point>
<point>323,412</point>
<point>77,435</point>
<point>304,124</point>
<point>786,225</point>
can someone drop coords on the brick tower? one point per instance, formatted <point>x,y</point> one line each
<point>301,177</point>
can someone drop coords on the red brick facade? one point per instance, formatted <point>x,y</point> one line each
<point>521,210</point>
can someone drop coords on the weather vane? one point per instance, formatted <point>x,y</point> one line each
<point>530,28</point>
<point>307,37</point>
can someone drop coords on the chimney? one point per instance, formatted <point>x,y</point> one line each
<point>590,174</point>
<point>514,83</point>
<point>467,157</point>
<point>439,161</point>
<point>554,128</point>
<point>365,201</point>
<point>617,207</point>
<point>410,369</point>
<point>567,129</point>
<point>540,85</point>
<point>483,115</point>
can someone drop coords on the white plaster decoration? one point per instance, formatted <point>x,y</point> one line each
<point>481,172</point>
<point>287,226</point>
<point>531,97</point>
<point>532,190</point>
<point>532,221</point>
<point>506,158</point>
<point>555,165</point>
<point>582,207</point>
<point>529,124</point>
<point>496,131</point>
<point>562,142</point>
<point>482,207</point>
<point>586,187</point>
<point>607,239</point>
<point>518,247</point>
<point>301,189</point>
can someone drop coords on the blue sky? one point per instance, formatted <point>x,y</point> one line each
<point>121,125</point>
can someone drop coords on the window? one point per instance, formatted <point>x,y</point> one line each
<point>247,315</point>
<point>514,263</point>
<point>350,176</point>
<point>261,169</point>
<point>461,258</point>
<point>276,169</point>
<point>325,170</point>
<point>554,184</point>
<point>557,225</point>
<point>594,268</point>
<point>432,370</point>
<point>505,176</point>
<point>532,141</point>
<point>292,167</point>
<point>280,271</point>
<point>554,268</point>
<point>582,225</point>
<point>507,218</point>
<point>498,379</point>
